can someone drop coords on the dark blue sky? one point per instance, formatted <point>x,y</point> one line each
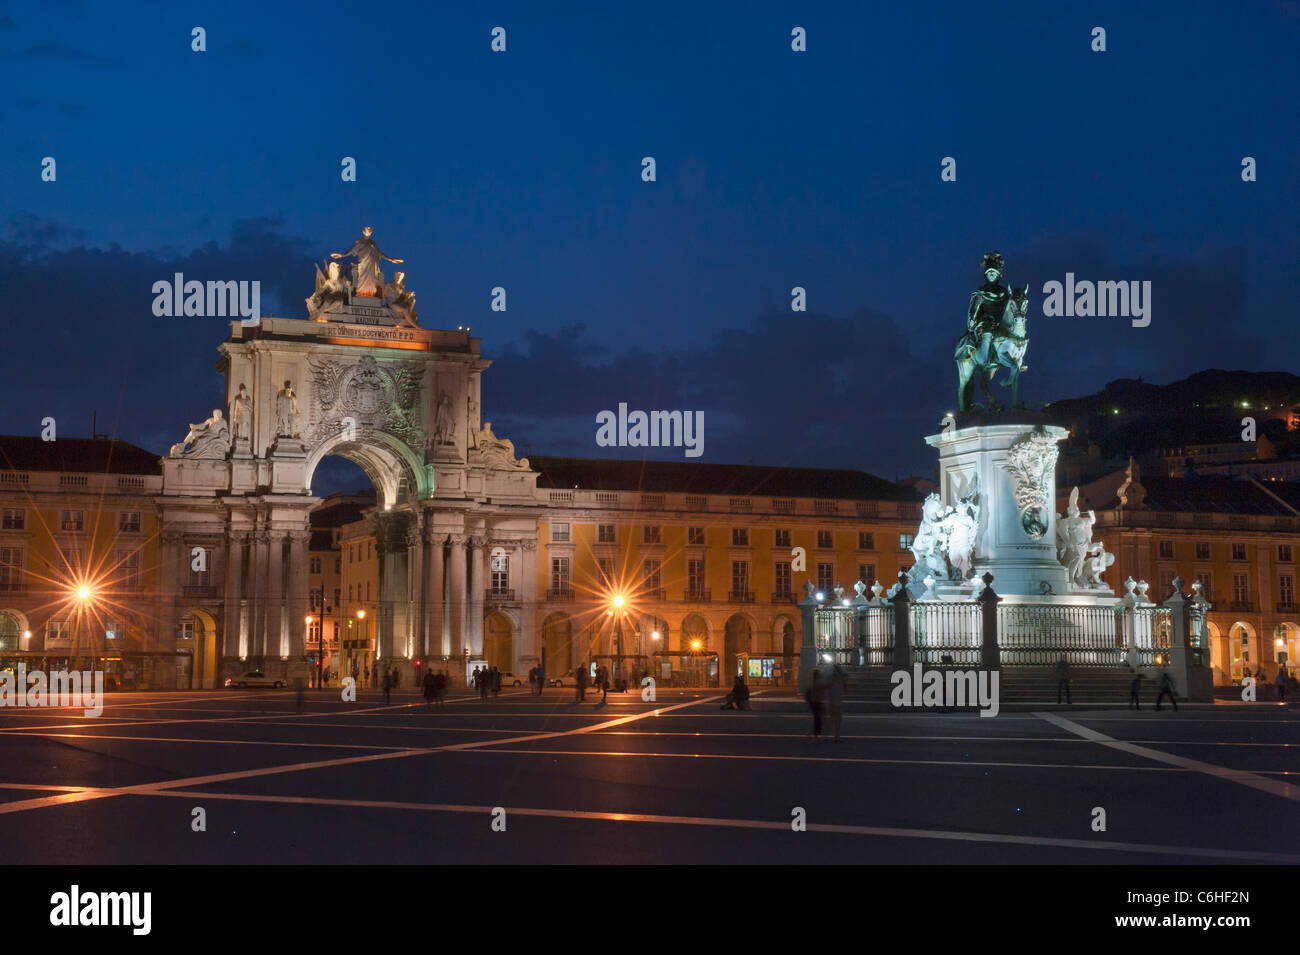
<point>775,169</point>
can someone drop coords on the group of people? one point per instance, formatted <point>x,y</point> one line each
<point>822,691</point>
<point>583,678</point>
<point>537,678</point>
<point>486,681</point>
<point>1284,681</point>
<point>435,688</point>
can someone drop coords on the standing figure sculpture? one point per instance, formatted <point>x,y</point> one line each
<point>368,279</point>
<point>444,428</point>
<point>241,414</point>
<point>286,412</point>
<point>995,336</point>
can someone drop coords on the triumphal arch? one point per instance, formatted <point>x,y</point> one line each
<point>362,379</point>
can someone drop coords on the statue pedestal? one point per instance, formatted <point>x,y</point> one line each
<point>288,459</point>
<point>1016,468</point>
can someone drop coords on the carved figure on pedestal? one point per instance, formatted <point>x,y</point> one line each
<point>368,278</point>
<point>498,451</point>
<point>1073,538</point>
<point>444,426</point>
<point>286,412</point>
<point>241,414</point>
<point>207,439</point>
<point>930,541</point>
<point>400,300</point>
<point>331,289</point>
<point>1098,560</point>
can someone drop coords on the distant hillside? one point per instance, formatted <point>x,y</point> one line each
<point>1134,417</point>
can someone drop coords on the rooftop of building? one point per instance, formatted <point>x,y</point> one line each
<point>1214,494</point>
<point>601,474</point>
<point>81,455</point>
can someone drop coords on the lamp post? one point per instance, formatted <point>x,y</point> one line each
<point>618,613</point>
<point>361,627</point>
<point>318,648</point>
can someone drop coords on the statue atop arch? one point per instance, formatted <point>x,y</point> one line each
<point>367,277</point>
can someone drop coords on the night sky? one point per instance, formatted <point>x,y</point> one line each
<point>522,169</point>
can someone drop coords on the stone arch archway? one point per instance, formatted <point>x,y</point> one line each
<point>398,476</point>
<point>1244,650</point>
<point>738,642</point>
<point>196,638</point>
<point>499,641</point>
<point>557,641</point>
<point>1286,644</point>
<point>695,628</point>
<point>13,624</point>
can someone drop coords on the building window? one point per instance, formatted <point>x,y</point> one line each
<point>367,591</point>
<point>605,533</point>
<point>740,537</point>
<point>128,522</point>
<point>185,630</point>
<point>1238,551</point>
<point>559,573</point>
<point>1166,585</point>
<point>867,574</point>
<point>695,535</point>
<point>781,538</point>
<point>1167,550</point>
<point>826,577</point>
<point>349,593</point>
<point>315,566</point>
<point>338,565</point>
<point>739,577</point>
<point>198,578</point>
<point>560,533</point>
<point>1202,550</point>
<point>73,521</point>
<point>11,568</point>
<point>128,571</point>
<point>1240,588</point>
<point>905,541</point>
<point>14,519</point>
<point>866,540</point>
<point>1284,553</point>
<point>337,594</point>
<point>783,577</point>
<point>605,565</point>
<point>654,575</point>
<point>825,539</point>
<point>695,577</point>
<point>1286,590</point>
<point>653,534</point>
<point>58,631</point>
<point>500,570</point>
<point>1207,584</point>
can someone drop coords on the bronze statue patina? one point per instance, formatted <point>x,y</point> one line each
<point>995,337</point>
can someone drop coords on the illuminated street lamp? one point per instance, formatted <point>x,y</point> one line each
<point>320,648</point>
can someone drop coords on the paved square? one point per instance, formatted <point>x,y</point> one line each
<point>675,781</point>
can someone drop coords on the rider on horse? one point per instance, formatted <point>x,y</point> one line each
<point>988,303</point>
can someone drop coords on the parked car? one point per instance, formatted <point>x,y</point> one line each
<point>571,677</point>
<point>253,678</point>
<point>509,679</point>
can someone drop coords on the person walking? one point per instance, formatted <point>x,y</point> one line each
<point>1280,683</point>
<point>441,689</point>
<point>388,685</point>
<point>580,681</point>
<point>1166,686</point>
<point>1134,689</point>
<point>835,695</point>
<point>816,695</point>
<point>541,678</point>
<point>430,689</point>
<point>484,683</point>
<point>602,682</point>
<point>1063,680</point>
<point>496,681</point>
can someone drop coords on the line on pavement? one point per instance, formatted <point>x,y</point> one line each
<point>776,826</point>
<point>1246,778</point>
<point>89,793</point>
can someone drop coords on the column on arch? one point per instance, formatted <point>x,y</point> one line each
<point>477,592</point>
<point>456,599</point>
<point>415,600</point>
<point>259,542</point>
<point>235,643</point>
<point>275,631</point>
<point>527,551</point>
<point>433,593</point>
<point>298,600</point>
